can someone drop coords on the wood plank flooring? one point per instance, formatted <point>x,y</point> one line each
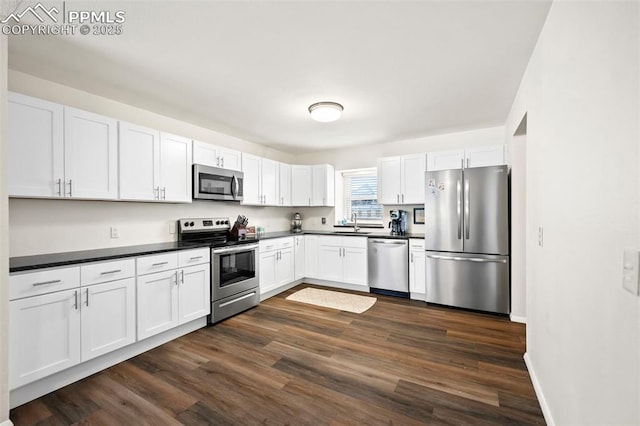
<point>401,362</point>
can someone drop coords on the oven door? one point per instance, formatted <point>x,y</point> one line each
<point>234,270</point>
<point>213,183</point>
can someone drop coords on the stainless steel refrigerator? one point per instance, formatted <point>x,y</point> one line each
<point>467,238</point>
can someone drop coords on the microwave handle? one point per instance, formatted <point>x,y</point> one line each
<point>234,186</point>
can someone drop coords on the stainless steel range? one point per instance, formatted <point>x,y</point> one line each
<point>234,266</point>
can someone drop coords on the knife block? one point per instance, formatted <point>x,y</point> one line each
<point>238,232</point>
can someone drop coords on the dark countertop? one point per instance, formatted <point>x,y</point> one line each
<point>51,260</point>
<point>39,261</point>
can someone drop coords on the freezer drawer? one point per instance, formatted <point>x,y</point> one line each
<point>470,281</point>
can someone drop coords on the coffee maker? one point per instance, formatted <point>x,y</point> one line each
<point>398,222</point>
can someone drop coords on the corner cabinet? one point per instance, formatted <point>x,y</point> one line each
<point>313,185</point>
<point>60,152</point>
<point>401,179</point>
<point>467,158</point>
<point>299,256</point>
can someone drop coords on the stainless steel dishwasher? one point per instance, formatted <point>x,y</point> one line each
<point>389,266</point>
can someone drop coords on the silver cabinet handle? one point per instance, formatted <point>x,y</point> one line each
<point>467,162</point>
<point>195,258</point>
<point>217,161</point>
<point>309,200</point>
<point>164,192</point>
<point>403,198</point>
<point>466,209</point>
<point>221,161</point>
<point>411,257</point>
<point>159,264</point>
<point>156,193</point>
<point>59,187</point>
<point>115,271</point>
<point>459,207</point>
<point>468,259</point>
<point>182,276</point>
<point>462,163</point>
<point>397,198</point>
<point>175,275</point>
<point>46,282</point>
<point>87,291</point>
<point>75,300</point>
<point>70,188</point>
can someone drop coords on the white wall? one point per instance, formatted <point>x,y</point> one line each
<point>4,242</point>
<point>45,226</point>
<point>517,160</point>
<point>580,94</point>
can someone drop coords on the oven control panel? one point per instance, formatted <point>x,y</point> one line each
<point>204,224</point>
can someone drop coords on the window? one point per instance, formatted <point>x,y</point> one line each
<point>361,196</point>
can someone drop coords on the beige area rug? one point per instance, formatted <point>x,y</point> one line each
<point>333,299</point>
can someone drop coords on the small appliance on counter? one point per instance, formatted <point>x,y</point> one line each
<point>296,223</point>
<point>398,222</point>
<point>235,285</point>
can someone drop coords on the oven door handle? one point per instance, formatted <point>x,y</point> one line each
<point>245,247</point>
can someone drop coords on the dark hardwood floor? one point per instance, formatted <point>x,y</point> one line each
<point>401,362</point>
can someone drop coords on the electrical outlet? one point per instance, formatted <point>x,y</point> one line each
<point>630,265</point>
<point>540,234</point>
<point>115,232</point>
<point>324,220</point>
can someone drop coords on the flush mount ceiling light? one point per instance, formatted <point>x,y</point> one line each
<point>325,112</point>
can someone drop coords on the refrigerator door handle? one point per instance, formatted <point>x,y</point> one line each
<point>458,207</point>
<point>469,259</point>
<point>466,208</point>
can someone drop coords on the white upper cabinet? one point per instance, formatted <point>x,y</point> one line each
<point>401,179</point>
<point>472,157</point>
<point>56,151</point>
<point>285,185</point>
<point>35,147</point>
<point>139,153</point>
<point>216,156</point>
<point>323,185</point>
<point>301,185</point>
<point>261,180</point>
<point>90,155</point>
<point>175,168</point>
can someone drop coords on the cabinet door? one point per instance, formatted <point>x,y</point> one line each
<point>230,159</point>
<point>285,185</point>
<point>445,160</point>
<point>205,154</point>
<point>322,190</point>
<point>485,156</point>
<point>108,317</point>
<point>194,293</point>
<point>330,263</point>
<point>44,336</point>
<point>35,147</point>
<point>311,256</point>
<point>299,257</point>
<point>301,185</point>
<point>175,168</point>
<point>157,301</point>
<point>417,280</point>
<point>252,185</point>
<point>270,182</point>
<point>90,155</point>
<point>413,170</point>
<point>139,155</point>
<point>285,267</point>
<point>354,270</point>
<point>268,273</point>
<point>389,185</point>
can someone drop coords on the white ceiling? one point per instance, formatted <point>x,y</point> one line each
<point>251,69</point>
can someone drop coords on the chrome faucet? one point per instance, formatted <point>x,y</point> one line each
<point>354,218</point>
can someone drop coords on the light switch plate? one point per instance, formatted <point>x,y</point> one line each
<point>172,227</point>
<point>630,265</point>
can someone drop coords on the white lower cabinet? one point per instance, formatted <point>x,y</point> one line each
<point>417,272</point>
<point>172,297</point>
<point>276,263</point>
<point>343,259</point>
<point>299,256</point>
<point>44,336</point>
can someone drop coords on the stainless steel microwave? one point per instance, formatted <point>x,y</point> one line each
<point>214,183</point>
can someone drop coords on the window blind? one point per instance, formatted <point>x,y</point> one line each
<point>361,195</point>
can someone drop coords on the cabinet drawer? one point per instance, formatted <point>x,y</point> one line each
<point>276,244</point>
<point>107,271</point>
<point>416,244</point>
<point>44,281</point>
<point>194,257</point>
<point>157,263</point>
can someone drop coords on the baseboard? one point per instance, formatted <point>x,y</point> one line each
<point>264,296</point>
<point>546,411</point>
<point>516,318</point>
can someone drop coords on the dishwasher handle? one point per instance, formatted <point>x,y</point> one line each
<point>389,242</point>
